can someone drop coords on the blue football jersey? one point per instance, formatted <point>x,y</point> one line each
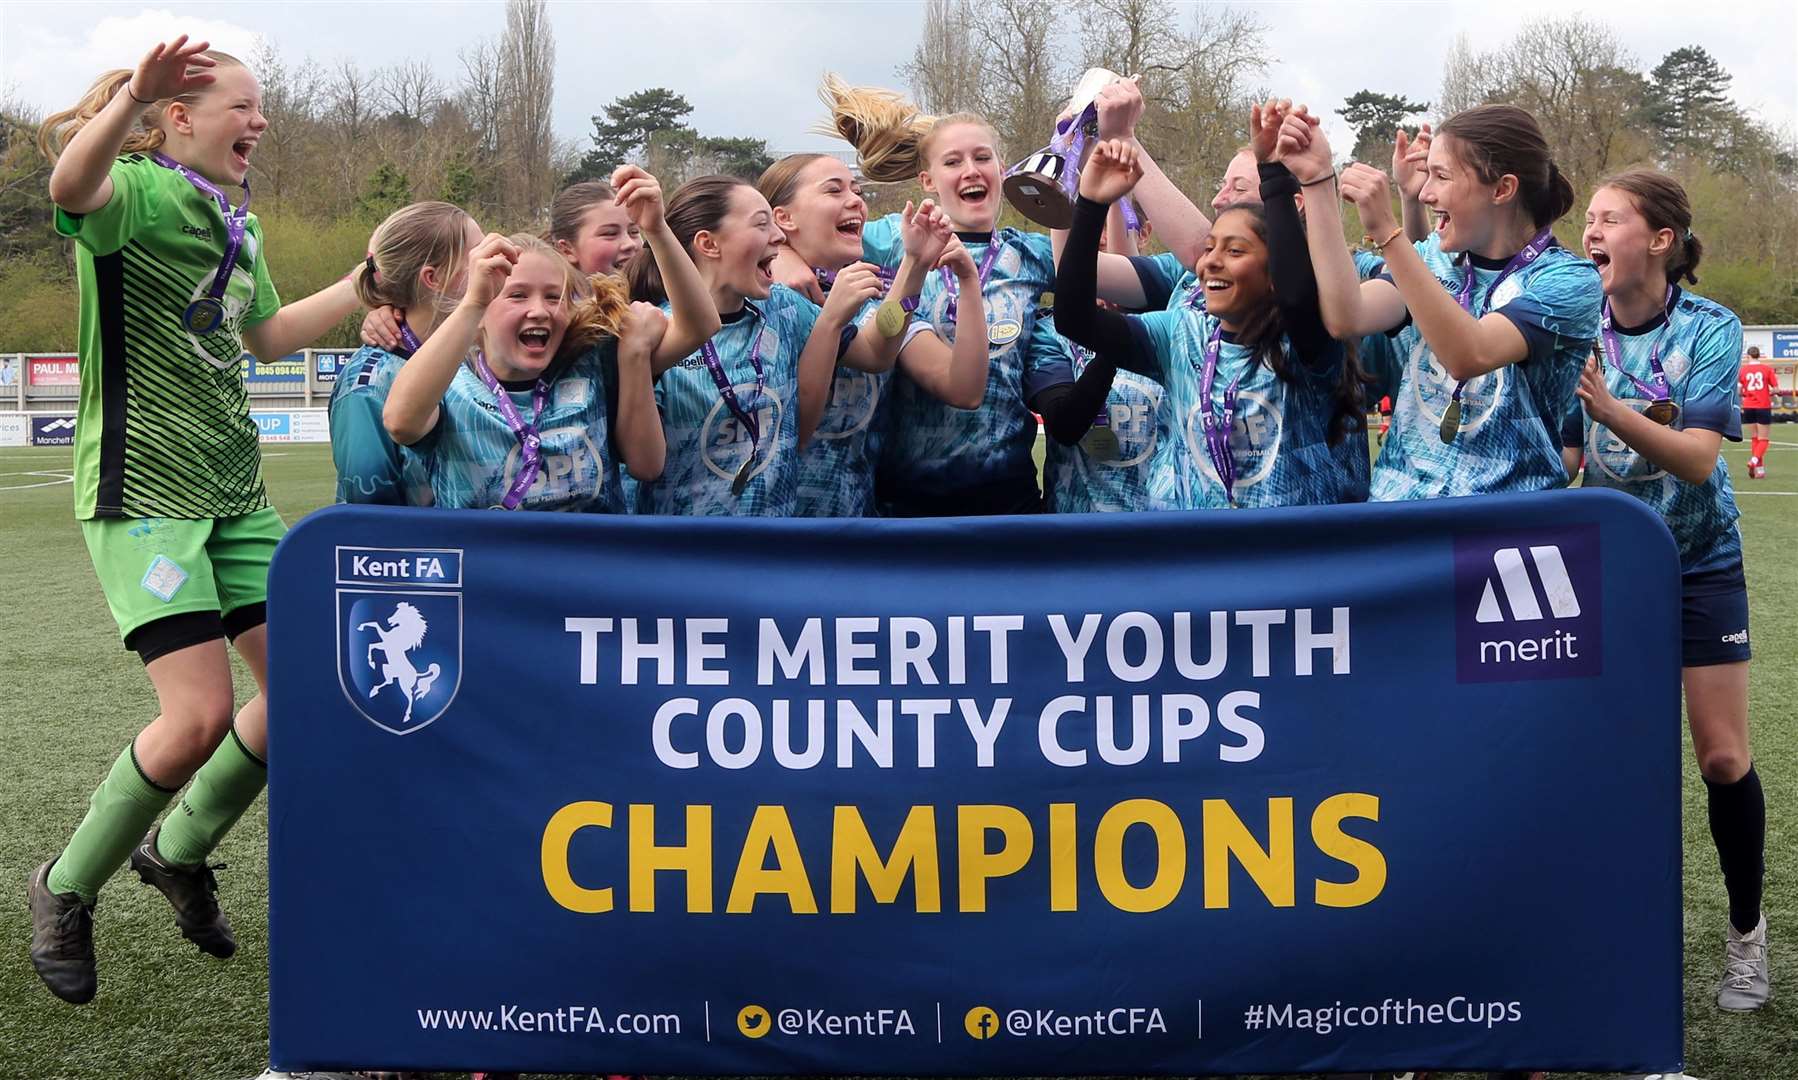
<point>1700,345</point>
<point>836,469</point>
<point>1279,439</point>
<point>708,445</point>
<point>937,450</point>
<point>371,467</point>
<point>1101,475</point>
<point>1509,417</point>
<point>473,457</point>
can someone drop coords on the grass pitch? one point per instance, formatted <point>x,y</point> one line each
<point>72,699</point>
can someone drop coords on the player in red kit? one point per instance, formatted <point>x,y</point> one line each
<point>1758,385</point>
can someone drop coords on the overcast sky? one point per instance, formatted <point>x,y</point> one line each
<point>752,68</point>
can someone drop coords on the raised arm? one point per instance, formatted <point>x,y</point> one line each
<point>81,182</point>
<point>855,286</point>
<point>1410,168</point>
<point>955,375</point>
<point>926,231</point>
<point>637,429</point>
<point>1350,308</point>
<point>693,318</point>
<point>1466,347</point>
<point>417,392</point>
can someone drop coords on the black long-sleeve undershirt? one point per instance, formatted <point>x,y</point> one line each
<point>1289,265</point>
<point>1078,315</point>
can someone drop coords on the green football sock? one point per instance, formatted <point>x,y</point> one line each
<point>221,791</point>
<point>121,811</point>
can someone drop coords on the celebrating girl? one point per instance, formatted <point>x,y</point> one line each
<point>1493,316</point>
<point>416,272</point>
<point>1660,398</point>
<point>941,460</point>
<point>174,284</point>
<point>818,206</point>
<point>1257,388</point>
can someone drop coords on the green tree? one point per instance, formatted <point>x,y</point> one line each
<point>461,186</point>
<point>386,190</point>
<point>624,132</point>
<point>1688,100</point>
<point>737,156</point>
<point>1374,117</point>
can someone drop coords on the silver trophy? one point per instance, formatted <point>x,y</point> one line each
<point>1042,186</point>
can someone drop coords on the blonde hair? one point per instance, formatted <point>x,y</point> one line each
<point>412,238</point>
<point>58,128</point>
<point>891,136</point>
<point>600,303</point>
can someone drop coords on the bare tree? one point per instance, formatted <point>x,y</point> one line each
<point>411,90</point>
<point>290,103</point>
<point>349,116</point>
<point>944,71</point>
<point>1025,78</point>
<point>1132,37</point>
<point>527,85</point>
<point>479,96</point>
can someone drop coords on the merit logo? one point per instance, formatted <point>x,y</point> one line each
<point>1527,605</point>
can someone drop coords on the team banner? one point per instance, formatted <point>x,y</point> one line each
<point>1288,791</point>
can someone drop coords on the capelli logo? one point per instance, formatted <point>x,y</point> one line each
<point>198,232</point>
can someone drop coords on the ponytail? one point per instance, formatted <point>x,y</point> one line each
<point>1555,199</point>
<point>58,128</point>
<point>413,237</point>
<point>891,136</point>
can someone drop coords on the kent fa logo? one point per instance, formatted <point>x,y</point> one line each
<point>1527,605</point>
<point>399,655</point>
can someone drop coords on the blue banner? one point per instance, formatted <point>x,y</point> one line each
<point>1308,790</point>
<point>289,369</point>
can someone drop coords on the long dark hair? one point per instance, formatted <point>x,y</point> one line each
<point>699,205</point>
<point>1500,139</point>
<point>1264,332</point>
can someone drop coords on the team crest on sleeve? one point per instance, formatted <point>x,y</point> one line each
<point>399,633</point>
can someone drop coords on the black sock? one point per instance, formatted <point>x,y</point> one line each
<point>1739,827</point>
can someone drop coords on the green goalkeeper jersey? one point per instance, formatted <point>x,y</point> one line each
<point>164,426</point>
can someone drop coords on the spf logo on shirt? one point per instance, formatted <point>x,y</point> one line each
<point>1254,439</point>
<point>1615,458</point>
<point>1130,414</point>
<point>854,395</point>
<point>570,471</point>
<point>724,440</point>
<point>1433,388</point>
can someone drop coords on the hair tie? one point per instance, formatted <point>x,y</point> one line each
<point>373,274</point>
<point>1688,234</point>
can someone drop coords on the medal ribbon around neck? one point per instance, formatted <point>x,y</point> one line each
<point>207,314</point>
<point>1541,242</point>
<point>1658,387</point>
<point>1217,432</point>
<point>745,416</point>
<point>530,445</point>
<point>953,287</point>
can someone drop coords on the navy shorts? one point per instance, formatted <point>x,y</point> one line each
<point>1757,416</point>
<point>1715,617</point>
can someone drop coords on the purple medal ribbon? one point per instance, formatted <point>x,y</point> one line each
<point>236,221</point>
<point>709,353</point>
<point>953,287</point>
<point>1658,388</point>
<point>530,453</point>
<point>1532,251</point>
<point>408,340</point>
<point>1217,432</point>
<point>827,278</point>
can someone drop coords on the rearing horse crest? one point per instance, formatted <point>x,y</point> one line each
<point>403,634</point>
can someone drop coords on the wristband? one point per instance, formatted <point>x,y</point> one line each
<point>134,97</point>
<point>1380,247</point>
<point>1324,179</point>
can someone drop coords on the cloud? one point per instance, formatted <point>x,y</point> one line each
<point>53,61</point>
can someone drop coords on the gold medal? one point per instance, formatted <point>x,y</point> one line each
<point>1451,422</point>
<point>1662,412</point>
<point>742,478</point>
<point>890,319</point>
<point>1101,444</point>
